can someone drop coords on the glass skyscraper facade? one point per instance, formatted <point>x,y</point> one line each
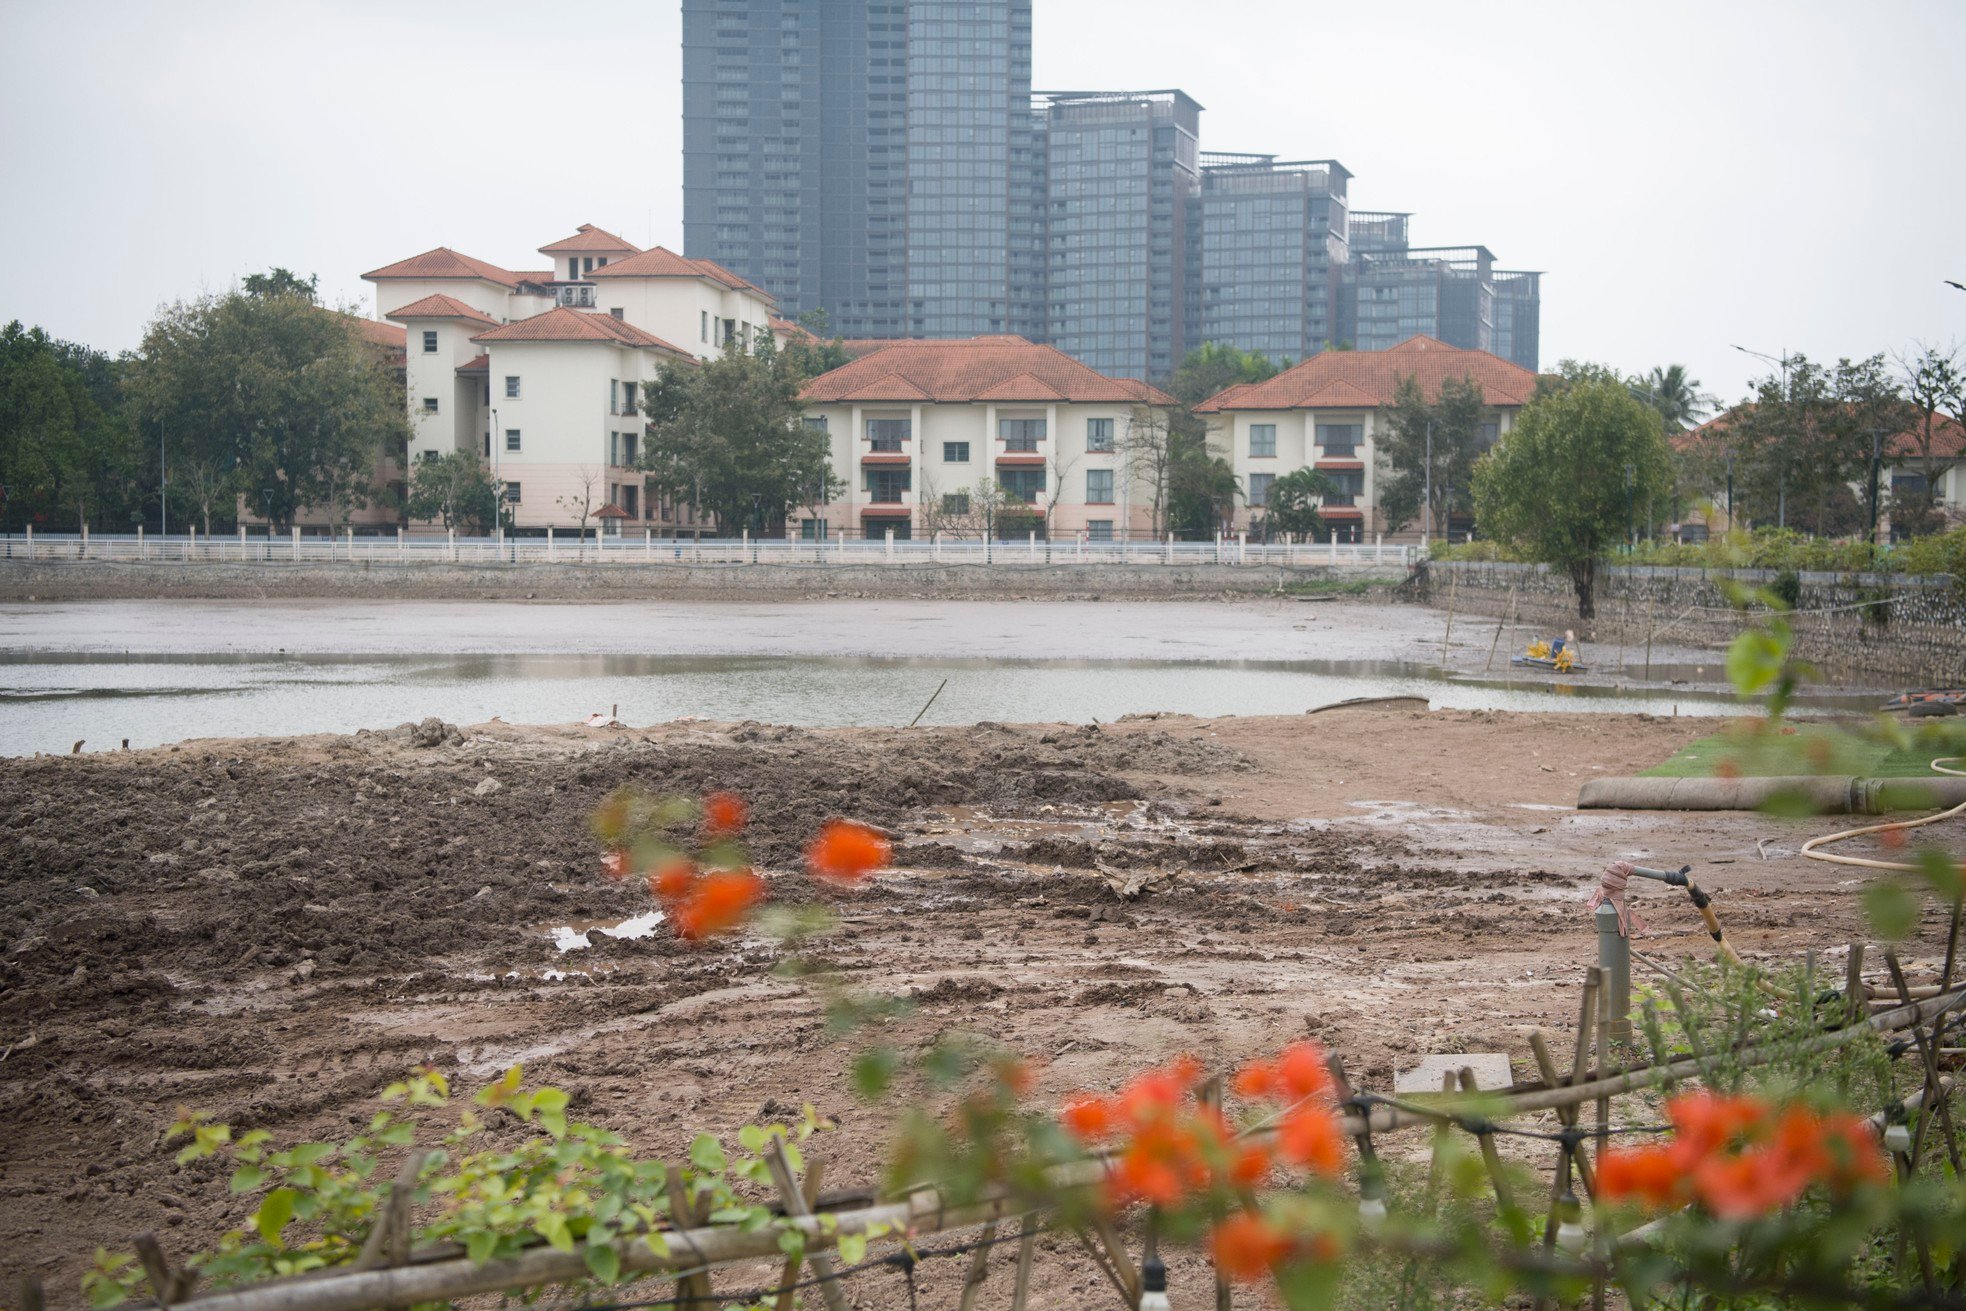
<point>1273,247</point>
<point>1121,171</point>
<point>886,161</point>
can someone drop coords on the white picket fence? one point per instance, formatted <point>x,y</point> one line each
<point>647,549</point>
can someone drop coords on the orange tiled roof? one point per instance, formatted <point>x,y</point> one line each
<point>791,329</point>
<point>443,262</point>
<point>1352,380</point>
<point>1948,437</point>
<point>998,368</point>
<point>376,333</point>
<point>534,275</point>
<point>565,324</point>
<point>588,238</point>
<point>660,262</point>
<point>480,365</point>
<point>441,306</point>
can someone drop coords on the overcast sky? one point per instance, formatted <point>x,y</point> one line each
<point>1778,174</point>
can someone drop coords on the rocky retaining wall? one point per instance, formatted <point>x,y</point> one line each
<point>100,580</point>
<point>1871,627</point>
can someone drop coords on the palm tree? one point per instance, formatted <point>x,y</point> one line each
<point>1675,394</point>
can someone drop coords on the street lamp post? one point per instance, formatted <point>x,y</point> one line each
<point>1782,470</point>
<point>1430,480</point>
<point>1730,491</point>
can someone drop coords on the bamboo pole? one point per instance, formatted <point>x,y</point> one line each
<point>795,1206</point>
<point>690,1251</point>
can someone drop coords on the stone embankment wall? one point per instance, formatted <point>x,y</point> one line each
<point>1866,627</point>
<point>101,580</point>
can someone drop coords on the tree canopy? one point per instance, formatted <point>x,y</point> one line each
<point>1292,504</point>
<point>729,437</point>
<point>67,451</point>
<point>1562,484</point>
<point>1210,368</point>
<point>1675,393</point>
<point>457,490</point>
<point>1444,434</point>
<point>271,398</point>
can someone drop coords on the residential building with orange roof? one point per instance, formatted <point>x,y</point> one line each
<point>540,371</point>
<point>1329,412</point>
<point>922,431</point>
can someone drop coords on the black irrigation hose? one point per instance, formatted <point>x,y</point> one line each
<point>905,1261</point>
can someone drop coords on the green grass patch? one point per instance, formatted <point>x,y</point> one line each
<point>1331,587</point>
<point>1752,749</point>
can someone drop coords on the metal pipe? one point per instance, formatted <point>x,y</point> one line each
<point>1823,795</point>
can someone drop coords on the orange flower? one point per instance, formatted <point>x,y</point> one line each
<point>1743,1187</point>
<point>673,879</point>
<point>1707,1122</point>
<point>1151,1096</point>
<point>1089,1118</point>
<point>1248,1247</point>
<point>1251,1166</point>
<point>1302,1070</point>
<point>846,853</point>
<point>1310,1137</point>
<point>1892,838</point>
<point>723,812</point>
<point>1852,1154</point>
<point>1145,1176</point>
<point>1015,1075</point>
<point>1649,1175</point>
<point>1256,1081</point>
<point>718,902</point>
<point>614,864</point>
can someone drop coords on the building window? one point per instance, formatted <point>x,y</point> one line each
<point>706,325</point>
<point>1490,434</point>
<point>812,530</point>
<point>1262,441</point>
<point>885,486</point>
<point>815,423</point>
<point>1259,489</point>
<point>1339,441</point>
<point>512,493</point>
<point>627,398</point>
<point>1099,530</point>
<point>1099,435</point>
<point>886,435</point>
<point>511,439</point>
<point>955,503</point>
<point>1023,485</point>
<point>955,452</point>
<point>511,386</point>
<point>430,342</point>
<point>429,404</point>
<point>1098,486</point>
<point>1021,435</point>
<point>614,395</point>
<point>628,502</point>
<point>1349,485</point>
<point>615,313</point>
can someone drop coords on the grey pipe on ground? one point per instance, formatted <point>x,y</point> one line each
<point>1829,794</point>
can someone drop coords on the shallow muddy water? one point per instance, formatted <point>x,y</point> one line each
<point>159,672</point>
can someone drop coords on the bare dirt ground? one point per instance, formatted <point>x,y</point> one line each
<point>271,930</point>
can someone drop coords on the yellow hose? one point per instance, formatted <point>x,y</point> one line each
<point>1939,766</point>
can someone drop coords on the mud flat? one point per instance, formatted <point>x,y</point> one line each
<point>272,929</point>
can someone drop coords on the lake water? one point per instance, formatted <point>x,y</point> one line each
<point>157,672</point>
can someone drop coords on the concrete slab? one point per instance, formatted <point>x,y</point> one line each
<point>1492,1072</point>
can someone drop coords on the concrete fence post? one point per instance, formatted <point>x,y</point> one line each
<point>351,541</point>
<point>744,545</point>
<point>1167,556</point>
<point>648,543</point>
<point>242,541</point>
<point>296,541</point>
<point>143,549</point>
<point>84,554</point>
<point>1334,546</point>
<point>399,543</point>
<point>549,543</point>
<point>30,541</point>
<point>1031,539</point>
<point>1615,960</point>
<point>1378,548</point>
<point>452,533</point>
<point>938,546</point>
<point>1242,548</point>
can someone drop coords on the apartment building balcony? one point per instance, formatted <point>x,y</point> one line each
<point>894,459</point>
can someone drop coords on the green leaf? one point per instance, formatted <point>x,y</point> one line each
<point>551,1104</point>
<point>752,1138</point>
<point>873,1071</point>
<point>246,1178</point>
<point>479,1245</point>
<point>603,1261</point>
<point>1947,879</point>
<point>1890,908</point>
<point>275,1210</point>
<point>853,1248</point>
<point>792,1242</point>
<point>706,1153</point>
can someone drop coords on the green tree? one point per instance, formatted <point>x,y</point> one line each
<point>1675,394</point>
<point>66,447</point>
<point>823,352</point>
<point>1202,486</point>
<point>1934,388</point>
<point>729,436</point>
<point>1442,435</point>
<point>283,282</point>
<point>457,490</point>
<point>271,398</point>
<point>1292,504</point>
<point>1209,369</point>
<point>1562,484</point>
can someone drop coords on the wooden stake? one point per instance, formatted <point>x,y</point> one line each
<point>692,1290</point>
<point>1504,1197</point>
<point>1566,1115</point>
<point>1026,1250</point>
<point>166,1285</point>
<point>1441,1129</point>
<point>31,1296</point>
<point>1935,1097</point>
<point>795,1204</point>
<point>1854,992</point>
<point>978,1268</point>
<point>1092,1249</point>
<point>388,1243</point>
<point>1123,1268</point>
<point>790,1273</point>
